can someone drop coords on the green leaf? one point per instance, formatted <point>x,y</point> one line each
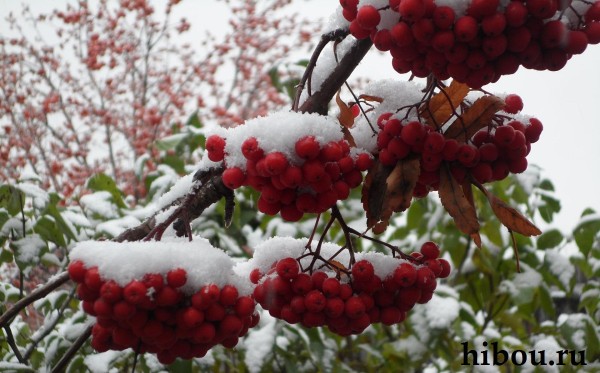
<point>549,239</point>
<point>102,182</point>
<point>194,121</point>
<point>175,162</point>
<point>49,231</point>
<point>550,207</point>
<point>12,199</point>
<point>586,231</point>
<point>171,142</point>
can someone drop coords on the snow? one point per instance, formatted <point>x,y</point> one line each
<point>38,195</point>
<point>411,346</point>
<point>259,343</point>
<point>114,227</point>
<point>124,262</point>
<point>578,322</point>
<point>267,131</point>
<point>560,266</point>
<point>100,203</point>
<point>178,190</point>
<point>325,65</point>
<point>28,248</point>
<point>440,312</point>
<point>101,362</point>
<point>336,21</point>
<point>277,248</point>
<point>75,218</point>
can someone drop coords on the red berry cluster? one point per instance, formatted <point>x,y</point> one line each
<point>492,39</point>
<point>325,175</point>
<point>490,155</point>
<point>153,315</point>
<point>349,307</point>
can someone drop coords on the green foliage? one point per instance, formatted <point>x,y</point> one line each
<point>553,303</point>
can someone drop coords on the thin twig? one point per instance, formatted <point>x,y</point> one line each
<point>66,358</point>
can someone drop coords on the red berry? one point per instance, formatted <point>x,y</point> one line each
<point>413,133</point>
<point>412,10</point>
<point>354,307</point>
<point>482,8</point>
<point>111,292</point>
<point>443,17</point>
<point>363,161</point>
<point>516,13</point>
<point>291,213</point>
<point>494,24</point>
<point>233,178</point>
<point>276,163</point>
<point>92,279</point>
<point>251,150</point>
<point>255,276</point>
<point>135,292</point>
<point>191,317</point>
<point>215,146</point>
<point>434,142</point>
<point>425,278</point>
<point>176,277</point>
<point>302,284</point>
<point>228,296</point>
<point>167,296</point>
<point>466,28</point>
<point>405,275</point>
<point>334,307</point>
<point>402,36</point>
<point>331,287</point>
<point>315,301</point>
<point>77,271</point>
<point>368,17</point>
<point>288,268</point>
<point>534,130</point>
<point>467,154</point>
<point>504,135</point>
<point>513,104</point>
<point>123,311</point>
<point>430,250</point>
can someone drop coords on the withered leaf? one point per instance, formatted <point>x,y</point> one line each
<point>476,237</point>
<point>388,191</point>
<point>441,107</point>
<point>370,98</point>
<point>478,116</point>
<point>373,192</point>
<point>511,218</point>
<point>454,201</point>
<point>400,185</point>
<point>346,118</point>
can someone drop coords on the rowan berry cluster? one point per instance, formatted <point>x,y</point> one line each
<point>477,45</point>
<point>154,315</point>
<point>324,174</point>
<point>490,155</point>
<point>349,302</point>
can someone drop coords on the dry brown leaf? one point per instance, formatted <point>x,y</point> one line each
<point>346,118</point>
<point>370,98</point>
<point>373,192</point>
<point>441,107</point>
<point>389,191</point>
<point>478,116</point>
<point>454,201</point>
<point>400,186</point>
<point>476,239</point>
<point>348,137</point>
<point>511,218</point>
